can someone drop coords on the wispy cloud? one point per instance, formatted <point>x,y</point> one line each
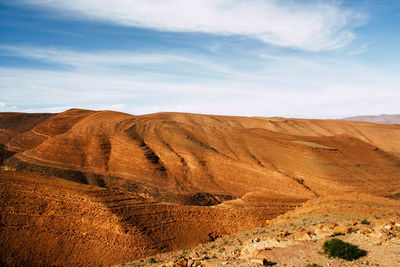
<point>283,85</point>
<point>123,61</point>
<point>311,26</point>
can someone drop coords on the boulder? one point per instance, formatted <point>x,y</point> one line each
<point>331,226</point>
<point>257,261</point>
<point>197,263</point>
<point>302,235</point>
<point>321,233</point>
<point>284,234</point>
<point>343,229</point>
<point>388,227</point>
<point>182,262</point>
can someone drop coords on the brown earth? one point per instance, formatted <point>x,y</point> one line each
<point>168,181</point>
<point>296,238</point>
<point>51,221</point>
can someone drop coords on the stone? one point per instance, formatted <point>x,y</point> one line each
<point>321,233</point>
<point>190,263</point>
<point>366,231</point>
<point>182,262</point>
<point>302,235</point>
<point>331,226</point>
<point>257,261</point>
<point>194,255</point>
<point>197,263</point>
<point>284,234</point>
<point>352,223</point>
<point>383,240</point>
<point>342,229</point>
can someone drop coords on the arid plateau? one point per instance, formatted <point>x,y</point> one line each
<point>91,188</point>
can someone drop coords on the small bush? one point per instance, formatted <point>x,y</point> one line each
<point>336,234</point>
<point>340,249</point>
<point>152,260</point>
<point>313,265</point>
<point>365,221</point>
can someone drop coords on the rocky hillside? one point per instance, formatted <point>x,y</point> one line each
<point>297,237</point>
<point>189,158</point>
<point>135,186</point>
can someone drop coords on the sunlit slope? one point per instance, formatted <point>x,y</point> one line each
<point>231,156</point>
<point>46,221</point>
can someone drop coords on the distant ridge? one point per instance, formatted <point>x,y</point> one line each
<point>384,118</point>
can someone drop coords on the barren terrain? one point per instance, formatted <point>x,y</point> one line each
<point>100,187</point>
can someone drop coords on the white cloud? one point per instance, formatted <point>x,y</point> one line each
<point>301,86</point>
<point>88,59</point>
<point>311,26</point>
<point>106,60</point>
<point>2,104</point>
<point>281,85</point>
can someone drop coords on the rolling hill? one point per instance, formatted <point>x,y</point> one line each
<point>133,186</point>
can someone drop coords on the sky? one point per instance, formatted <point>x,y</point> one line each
<point>292,58</point>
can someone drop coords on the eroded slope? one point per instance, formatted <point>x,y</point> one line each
<point>50,221</point>
<point>184,154</point>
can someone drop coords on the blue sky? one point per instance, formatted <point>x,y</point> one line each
<point>311,59</point>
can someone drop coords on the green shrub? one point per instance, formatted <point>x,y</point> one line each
<point>152,260</point>
<point>340,249</point>
<point>313,265</point>
<point>336,234</point>
<point>365,221</point>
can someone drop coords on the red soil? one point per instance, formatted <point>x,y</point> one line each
<point>148,171</point>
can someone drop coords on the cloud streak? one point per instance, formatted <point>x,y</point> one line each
<point>310,26</point>
<point>300,86</point>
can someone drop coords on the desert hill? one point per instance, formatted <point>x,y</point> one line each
<point>166,181</point>
<point>384,118</point>
<point>47,221</point>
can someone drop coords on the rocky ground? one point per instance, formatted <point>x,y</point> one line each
<point>143,185</point>
<point>296,238</point>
